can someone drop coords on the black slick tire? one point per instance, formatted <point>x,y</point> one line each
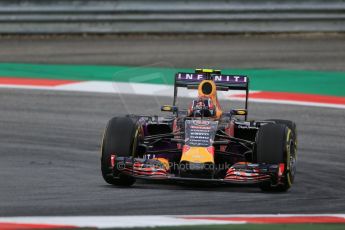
<point>275,144</point>
<point>119,139</point>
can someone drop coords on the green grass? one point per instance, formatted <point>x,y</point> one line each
<point>276,80</point>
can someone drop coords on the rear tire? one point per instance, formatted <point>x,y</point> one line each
<point>275,145</point>
<point>120,139</point>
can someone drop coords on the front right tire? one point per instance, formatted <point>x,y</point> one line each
<point>275,144</point>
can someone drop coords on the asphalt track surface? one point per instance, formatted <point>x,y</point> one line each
<point>50,161</point>
<point>49,155</point>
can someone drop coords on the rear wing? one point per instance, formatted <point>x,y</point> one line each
<point>223,82</point>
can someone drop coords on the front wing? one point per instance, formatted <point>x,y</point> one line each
<point>239,173</point>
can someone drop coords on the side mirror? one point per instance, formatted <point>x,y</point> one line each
<point>242,112</point>
<point>169,108</point>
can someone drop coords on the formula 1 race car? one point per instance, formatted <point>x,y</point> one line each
<point>203,143</point>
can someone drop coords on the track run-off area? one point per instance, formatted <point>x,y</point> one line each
<point>53,115</point>
<point>313,88</point>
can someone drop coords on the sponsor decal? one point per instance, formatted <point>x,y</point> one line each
<point>201,122</point>
<point>200,133</point>
<point>217,78</point>
<point>243,127</point>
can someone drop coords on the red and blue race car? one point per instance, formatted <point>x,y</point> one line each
<point>201,143</point>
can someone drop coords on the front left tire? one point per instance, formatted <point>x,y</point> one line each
<point>119,139</point>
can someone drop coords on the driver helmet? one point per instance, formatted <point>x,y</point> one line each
<point>202,107</point>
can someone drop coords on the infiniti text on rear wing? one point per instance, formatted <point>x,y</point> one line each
<point>223,82</point>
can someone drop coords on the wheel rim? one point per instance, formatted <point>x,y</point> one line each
<point>292,160</point>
